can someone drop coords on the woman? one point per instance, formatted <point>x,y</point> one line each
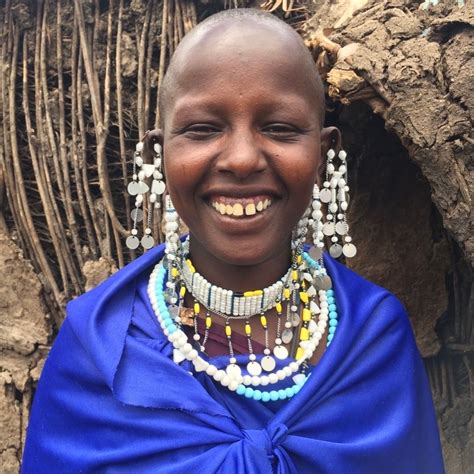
<point>172,365</point>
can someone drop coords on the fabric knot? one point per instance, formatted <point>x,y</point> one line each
<point>267,439</point>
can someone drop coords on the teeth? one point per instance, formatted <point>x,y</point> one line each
<point>238,209</point>
<point>250,209</point>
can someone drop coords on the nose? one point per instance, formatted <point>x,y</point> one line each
<point>242,156</point>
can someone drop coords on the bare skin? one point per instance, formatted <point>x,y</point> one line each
<point>243,121</point>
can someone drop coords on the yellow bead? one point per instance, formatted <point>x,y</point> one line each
<point>286,293</point>
<point>304,297</point>
<point>174,272</point>
<point>299,353</point>
<point>197,308</point>
<point>263,320</point>
<point>279,308</point>
<point>208,322</point>
<point>248,293</point>
<point>304,334</point>
<point>248,330</point>
<point>182,291</point>
<point>299,259</point>
<point>294,275</point>
<point>258,292</point>
<point>191,266</point>
<point>228,331</point>
<point>306,314</point>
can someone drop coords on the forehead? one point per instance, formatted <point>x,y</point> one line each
<point>245,59</point>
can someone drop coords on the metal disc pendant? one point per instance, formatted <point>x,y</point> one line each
<point>136,215</point>
<point>280,352</point>
<point>158,187</point>
<point>142,187</point>
<point>254,368</point>
<point>326,283</point>
<point>268,363</point>
<point>342,228</point>
<point>287,336</point>
<point>233,370</point>
<point>132,242</point>
<point>173,310</point>
<point>147,242</point>
<point>295,319</point>
<point>315,253</point>
<point>133,188</point>
<point>325,195</point>
<point>335,250</point>
<point>328,228</point>
<point>349,250</point>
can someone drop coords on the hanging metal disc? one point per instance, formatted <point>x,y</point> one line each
<point>268,363</point>
<point>133,188</point>
<point>147,241</point>
<point>325,195</point>
<point>295,319</point>
<point>328,228</point>
<point>158,187</point>
<point>137,215</point>
<point>233,370</point>
<point>342,228</point>
<point>280,352</point>
<point>254,368</point>
<point>335,250</point>
<point>287,336</point>
<point>326,283</point>
<point>315,253</point>
<point>132,242</point>
<point>349,250</point>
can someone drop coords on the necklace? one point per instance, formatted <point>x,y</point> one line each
<point>160,289</point>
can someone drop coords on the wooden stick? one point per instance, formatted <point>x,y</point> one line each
<point>75,152</point>
<point>118,90</point>
<point>161,68</point>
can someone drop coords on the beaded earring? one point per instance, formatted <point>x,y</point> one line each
<point>139,188</point>
<point>317,224</point>
<point>335,194</point>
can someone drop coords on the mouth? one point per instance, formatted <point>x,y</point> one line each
<point>241,207</point>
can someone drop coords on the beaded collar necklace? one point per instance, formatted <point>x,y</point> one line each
<point>309,279</point>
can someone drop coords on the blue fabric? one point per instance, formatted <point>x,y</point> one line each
<point>111,400</point>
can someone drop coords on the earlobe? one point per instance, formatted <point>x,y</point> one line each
<point>330,138</point>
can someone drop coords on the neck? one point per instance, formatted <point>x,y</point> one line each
<point>240,278</point>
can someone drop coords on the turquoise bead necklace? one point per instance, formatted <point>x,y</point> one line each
<point>157,290</point>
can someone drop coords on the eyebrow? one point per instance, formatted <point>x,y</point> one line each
<point>189,104</point>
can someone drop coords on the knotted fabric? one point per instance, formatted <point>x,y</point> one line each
<point>111,399</point>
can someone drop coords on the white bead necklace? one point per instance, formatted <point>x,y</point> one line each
<point>232,376</point>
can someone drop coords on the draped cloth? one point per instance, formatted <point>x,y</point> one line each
<point>111,399</point>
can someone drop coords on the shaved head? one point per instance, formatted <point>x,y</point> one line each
<point>228,31</point>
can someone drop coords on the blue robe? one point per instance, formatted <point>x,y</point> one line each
<point>111,399</point>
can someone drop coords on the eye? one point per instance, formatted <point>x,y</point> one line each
<point>200,131</point>
<point>281,131</point>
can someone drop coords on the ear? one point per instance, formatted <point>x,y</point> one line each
<point>330,138</point>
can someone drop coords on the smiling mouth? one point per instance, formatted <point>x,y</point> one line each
<point>240,207</point>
